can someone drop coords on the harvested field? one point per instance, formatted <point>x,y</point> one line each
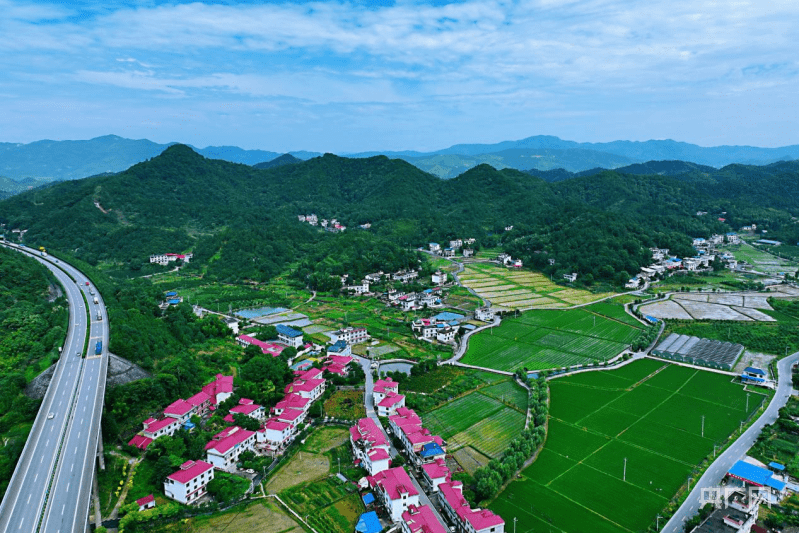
<point>470,459</point>
<point>302,467</point>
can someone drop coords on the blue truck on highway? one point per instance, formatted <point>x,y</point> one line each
<point>98,349</point>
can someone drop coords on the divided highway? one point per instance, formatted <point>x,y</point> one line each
<point>50,490</point>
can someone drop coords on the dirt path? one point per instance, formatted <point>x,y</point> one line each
<point>131,471</point>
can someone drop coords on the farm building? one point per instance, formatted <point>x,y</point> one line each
<point>704,352</point>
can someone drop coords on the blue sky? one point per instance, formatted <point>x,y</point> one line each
<point>405,74</point>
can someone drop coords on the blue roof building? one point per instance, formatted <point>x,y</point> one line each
<point>754,371</point>
<point>754,475</point>
<point>776,466</point>
<point>368,498</point>
<point>369,523</point>
<point>171,293</point>
<point>431,450</point>
<point>288,331</point>
<point>173,301</point>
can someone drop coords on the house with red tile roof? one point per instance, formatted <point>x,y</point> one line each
<point>188,484</point>
<point>225,447</point>
<point>249,408</point>
<point>180,410</point>
<point>407,426</point>
<point>383,387</point>
<point>267,348</point>
<point>436,473</point>
<point>468,520</point>
<point>366,438</point>
<point>389,404</point>
<point>291,401</point>
<point>154,429</point>
<point>201,402</point>
<point>421,519</point>
<point>307,388</point>
<point>275,436</point>
<point>220,389</point>
<point>148,502</point>
<point>395,490</point>
<point>295,417</point>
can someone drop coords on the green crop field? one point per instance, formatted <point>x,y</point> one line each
<point>542,339</point>
<point>649,413</point>
<point>480,419</point>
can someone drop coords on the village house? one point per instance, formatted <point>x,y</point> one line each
<point>340,348</point>
<point>367,442</point>
<point>404,276</point>
<point>468,520</point>
<point>456,243</point>
<point>389,404</point>
<point>231,323</point>
<point>148,502</point>
<point>267,348</point>
<point>449,252</point>
<point>307,388</point>
<point>395,491</point>
<point>435,247</point>
<point>485,314</point>
<point>220,389</point>
<point>384,387</point>
<point>274,437</point>
<point>439,278</point>
<point>226,446</point>
<point>421,519</point>
<point>468,252</point>
<point>291,401</point>
<point>154,429</point>
<point>289,336</point>
<point>377,277</point>
<point>249,408</point>
<point>358,289</point>
<point>571,278</point>
<point>352,335</point>
<point>446,334</point>
<point>188,484</point>
<point>436,473</point>
<point>733,238</point>
<point>165,259</point>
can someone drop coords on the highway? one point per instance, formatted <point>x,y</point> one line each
<point>719,468</point>
<point>51,487</point>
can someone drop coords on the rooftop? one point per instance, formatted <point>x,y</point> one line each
<point>395,482</point>
<point>190,470</point>
<point>288,331</point>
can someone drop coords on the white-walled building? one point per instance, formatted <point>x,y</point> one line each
<point>421,519</point>
<point>468,520</point>
<point>289,336</point>
<point>225,447</point>
<point>439,278</point>
<point>395,490</point>
<point>188,484</point>
<point>389,404</point>
<point>249,408</point>
<point>486,314</point>
<point>352,335</point>
<point>275,436</point>
<point>367,441</point>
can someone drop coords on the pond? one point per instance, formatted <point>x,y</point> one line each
<point>396,367</point>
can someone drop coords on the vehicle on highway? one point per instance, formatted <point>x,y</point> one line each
<point>77,353</point>
<point>99,315</point>
<point>96,301</point>
<point>50,415</point>
<point>98,348</point>
<point>87,283</point>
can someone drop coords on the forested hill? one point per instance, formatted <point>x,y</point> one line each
<point>244,219</point>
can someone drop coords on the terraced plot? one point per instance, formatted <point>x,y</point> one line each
<point>543,339</point>
<point>647,413</point>
<point>516,289</point>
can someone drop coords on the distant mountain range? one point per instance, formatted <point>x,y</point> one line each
<point>67,160</point>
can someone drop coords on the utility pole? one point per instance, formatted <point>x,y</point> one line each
<point>514,524</point>
<point>625,470</point>
<point>747,402</point>
<point>657,527</point>
<point>703,425</point>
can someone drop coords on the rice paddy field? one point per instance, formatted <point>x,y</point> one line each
<point>544,339</point>
<point>521,289</point>
<point>647,413</point>
<point>485,420</point>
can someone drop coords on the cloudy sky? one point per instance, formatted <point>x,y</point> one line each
<point>405,74</point>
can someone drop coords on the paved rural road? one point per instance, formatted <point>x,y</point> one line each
<point>51,486</point>
<point>715,473</point>
<point>368,401</point>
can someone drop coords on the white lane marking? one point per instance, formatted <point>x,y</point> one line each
<point>35,477</point>
<point>42,459</point>
<point>48,443</point>
<point>62,509</point>
<point>20,524</point>
<point>29,497</point>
